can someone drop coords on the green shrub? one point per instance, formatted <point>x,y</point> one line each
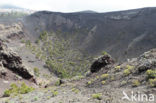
<point>58,83</point>
<point>123,82</point>
<point>38,55</point>
<point>25,89</point>
<point>103,82</point>
<point>151,73</point>
<point>89,82</point>
<point>15,90</point>
<point>104,76</point>
<point>22,41</point>
<point>7,93</point>
<point>104,53</point>
<point>75,90</point>
<point>57,68</point>
<point>36,71</point>
<point>117,68</point>
<point>36,98</point>
<point>97,96</point>
<point>28,43</point>
<point>54,92</point>
<point>72,63</point>
<point>152,82</point>
<point>43,36</point>
<point>37,41</point>
<point>112,78</point>
<point>135,83</point>
<point>127,72</point>
<point>97,77</point>
<point>129,67</point>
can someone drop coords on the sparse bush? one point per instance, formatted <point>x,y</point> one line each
<point>123,82</point>
<point>152,82</point>
<point>28,43</point>
<point>36,71</point>
<point>75,90</point>
<point>104,76</point>
<point>22,41</point>
<point>112,78</point>
<point>89,82</point>
<point>97,96</point>
<point>7,93</point>
<point>103,82</point>
<point>135,83</point>
<point>129,67</point>
<point>38,55</point>
<point>78,77</point>
<point>127,72</point>
<point>43,36</point>
<point>25,89</point>
<point>151,73</point>
<point>97,77</point>
<point>36,98</point>
<point>117,68</point>
<point>54,92</point>
<point>72,63</point>
<point>58,83</point>
<point>57,68</point>
<point>104,53</point>
<point>15,90</point>
<point>37,41</point>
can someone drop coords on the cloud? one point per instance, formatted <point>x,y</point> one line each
<point>110,5</point>
<point>79,5</point>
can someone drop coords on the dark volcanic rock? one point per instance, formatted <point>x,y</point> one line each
<point>18,35</point>
<point>101,62</point>
<point>13,62</point>
<point>146,61</point>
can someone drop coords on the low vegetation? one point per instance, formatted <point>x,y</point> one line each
<point>58,83</point>
<point>75,90</point>
<point>54,92</point>
<point>151,73</point>
<point>123,83</point>
<point>104,76</point>
<point>103,82</point>
<point>152,82</point>
<point>151,76</point>
<point>117,68</point>
<point>135,83</point>
<point>97,96</point>
<point>104,53</point>
<point>15,90</point>
<point>89,82</point>
<point>36,71</point>
<point>59,55</point>
<point>128,70</point>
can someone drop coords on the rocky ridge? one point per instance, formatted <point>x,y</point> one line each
<point>13,62</point>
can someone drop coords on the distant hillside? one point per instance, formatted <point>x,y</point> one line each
<point>87,11</point>
<point>123,34</point>
<point>7,6</point>
<point>10,12</point>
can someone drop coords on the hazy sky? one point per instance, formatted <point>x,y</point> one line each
<point>79,5</point>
